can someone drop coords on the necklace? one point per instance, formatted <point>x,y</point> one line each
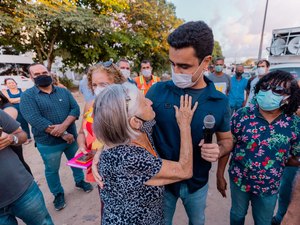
<point>148,146</point>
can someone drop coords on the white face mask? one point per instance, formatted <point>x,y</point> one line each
<point>261,71</point>
<point>185,80</point>
<point>147,73</point>
<point>126,73</point>
<point>98,90</point>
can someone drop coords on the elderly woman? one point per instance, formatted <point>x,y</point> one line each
<point>131,169</point>
<point>99,76</point>
<point>267,138</point>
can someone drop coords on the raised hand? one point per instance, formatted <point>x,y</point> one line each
<point>185,113</point>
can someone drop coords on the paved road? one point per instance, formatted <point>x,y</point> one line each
<point>84,208</point>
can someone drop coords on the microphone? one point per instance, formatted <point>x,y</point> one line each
<point>209,123</point>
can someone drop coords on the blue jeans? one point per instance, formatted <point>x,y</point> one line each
<point>30,207</point>
<point>194,204</point>
<point>51,156</point>
<point>285,191</point>
<point>262,207</point>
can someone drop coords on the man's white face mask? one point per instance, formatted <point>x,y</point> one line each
<point>185,80</point>
<point>125,72</point>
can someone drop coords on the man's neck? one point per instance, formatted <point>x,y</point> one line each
<point>219,74</point>
<point>148,78</point>
<point>47,89</point>
<point>238,77</point>
<point>200,84</point>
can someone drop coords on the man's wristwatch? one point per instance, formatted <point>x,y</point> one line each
<point>65,133</point>
<point>15,140</point>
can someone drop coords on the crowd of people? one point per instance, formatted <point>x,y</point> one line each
<point>147,138</point>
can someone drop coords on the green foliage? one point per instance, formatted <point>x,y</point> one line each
<point>66,82</point>
<point>217,51</point>
<point>84,32</point>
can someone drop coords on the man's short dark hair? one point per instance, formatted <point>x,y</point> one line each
<point>264,60</point>
<point>34,64</point>
<point>145,61</point>
<point>195,34</point>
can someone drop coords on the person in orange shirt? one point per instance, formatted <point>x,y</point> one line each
<point>146,78</point>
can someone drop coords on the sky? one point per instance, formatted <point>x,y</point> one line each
<point>237,24</point>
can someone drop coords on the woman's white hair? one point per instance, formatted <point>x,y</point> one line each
<point>112,109</point>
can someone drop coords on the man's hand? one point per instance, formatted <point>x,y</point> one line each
<point>69,138</point>
<point>95,172</point>
<point>222,185</point>
<point>5,140</point>
<point>209,152</point>
<point>57,130</point>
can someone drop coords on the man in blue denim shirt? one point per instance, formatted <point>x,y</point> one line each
<point>52,111</point>
<point>191,47</point>
<point>238,88</point>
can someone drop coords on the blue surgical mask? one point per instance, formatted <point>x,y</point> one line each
<point>218,69</point>
<point>267,101</point>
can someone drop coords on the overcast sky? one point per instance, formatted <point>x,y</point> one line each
<point>237,24</point>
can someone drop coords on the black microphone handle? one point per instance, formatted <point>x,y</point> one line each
<point>208,135</point>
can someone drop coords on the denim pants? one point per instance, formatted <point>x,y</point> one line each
<point>285,191</point>
<point>30,207</point>
<point>194,204</point>
<point>262,207</point>
<point>51,156</point>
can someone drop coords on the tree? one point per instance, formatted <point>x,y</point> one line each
<point>83,32</point>
<point>48,27</point>
<point>217,51</point>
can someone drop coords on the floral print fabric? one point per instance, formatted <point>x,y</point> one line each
<point>261,149</point>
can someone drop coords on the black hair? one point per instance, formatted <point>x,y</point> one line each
<point>195,34</point>
<point>262,61</point>
<point>145,61</point>
<point>3,100</point>
<point>9,78</point>
<point>34,64</point>
<point>287,80</point>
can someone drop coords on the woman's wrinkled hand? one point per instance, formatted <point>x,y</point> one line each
<point>185,112</point>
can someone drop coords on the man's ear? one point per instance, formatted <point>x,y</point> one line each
<point>134,123</point>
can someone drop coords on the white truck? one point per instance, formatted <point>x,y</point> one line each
<point>284,53</point>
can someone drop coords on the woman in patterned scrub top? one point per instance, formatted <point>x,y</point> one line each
<point>132,171</point>
<point>267,138</point>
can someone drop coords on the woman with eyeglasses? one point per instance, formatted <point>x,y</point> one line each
<point>99,76</point>
<point>132,171</point>
<point>267,138</point>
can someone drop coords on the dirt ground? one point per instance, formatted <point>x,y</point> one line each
<point>84,208</point>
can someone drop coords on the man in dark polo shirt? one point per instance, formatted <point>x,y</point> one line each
<point>52,111</point>
<point>19,194</point>
<point>191,47</point>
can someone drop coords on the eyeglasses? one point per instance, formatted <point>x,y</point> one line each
<point>277,90</point>
<point>106,64</point>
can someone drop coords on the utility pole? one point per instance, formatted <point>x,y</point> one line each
<point>262,32</point>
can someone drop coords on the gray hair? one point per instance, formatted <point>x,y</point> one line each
<point>112,109</point>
